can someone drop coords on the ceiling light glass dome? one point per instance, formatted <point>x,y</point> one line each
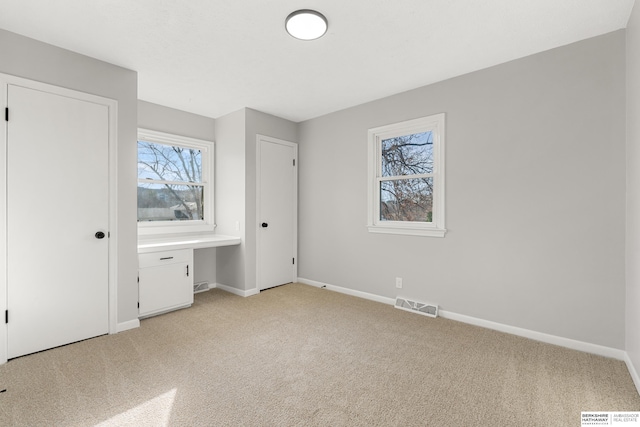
<point>306,24</point>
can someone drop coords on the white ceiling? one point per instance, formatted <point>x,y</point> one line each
<point>212,57</point>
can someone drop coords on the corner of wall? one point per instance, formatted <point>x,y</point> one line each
<point>632,244</point>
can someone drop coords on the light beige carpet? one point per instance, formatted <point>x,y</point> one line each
<point>302,356</point>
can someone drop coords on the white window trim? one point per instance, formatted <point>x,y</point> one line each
<point>148,228</point>
<point>436,228</point>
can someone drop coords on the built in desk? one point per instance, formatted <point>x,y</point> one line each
<point>165,270</point>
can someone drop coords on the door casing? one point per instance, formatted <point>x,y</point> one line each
<point>112,105</point>
<point>267,139</point>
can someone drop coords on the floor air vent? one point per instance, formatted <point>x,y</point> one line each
<point>430,310</point>
<point>200,287</point>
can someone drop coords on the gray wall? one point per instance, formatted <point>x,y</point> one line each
<point>633,189</point>
<point>236,189</point>
<point>230,196</point>
<point>31,59</point>
<point>535,198</point>
<point>535,187</point>
<point>177,122</point>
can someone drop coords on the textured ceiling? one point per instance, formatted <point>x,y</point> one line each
<point>212,57</point>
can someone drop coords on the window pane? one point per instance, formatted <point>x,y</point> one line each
<point>169,163</point>
<point>162,202</point>
<point>407,155</point>
<point>406,200</point>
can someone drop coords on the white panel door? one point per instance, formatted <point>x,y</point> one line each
<point>57,200</point>
<point>277,209</point>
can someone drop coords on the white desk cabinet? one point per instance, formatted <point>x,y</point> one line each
<point>166,281</point>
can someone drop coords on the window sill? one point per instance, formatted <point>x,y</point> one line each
<point>408,231</point>
<point>157,229</point>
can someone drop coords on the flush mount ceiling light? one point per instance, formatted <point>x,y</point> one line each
<point>306,24</point>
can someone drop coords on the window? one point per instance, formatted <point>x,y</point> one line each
<point>175,185</point>
<point>406,177</point>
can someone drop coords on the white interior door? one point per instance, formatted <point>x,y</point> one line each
<point>277,212</point>
<point>57,200</point>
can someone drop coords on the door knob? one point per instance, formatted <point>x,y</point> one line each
<point>265,225</point>
<point>99,235</point>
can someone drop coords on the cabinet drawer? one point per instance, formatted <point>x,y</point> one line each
<point>155,259</point>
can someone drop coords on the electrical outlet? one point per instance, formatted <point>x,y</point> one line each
<point>399,282</point>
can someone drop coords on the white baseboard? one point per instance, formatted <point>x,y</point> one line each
<point>236,291</point>
<point>632,371</point>
<point>537,336</point>
<point>527,333</point>
<point>125,326</point>
<point>347,291</point>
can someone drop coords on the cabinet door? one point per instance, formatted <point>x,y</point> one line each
<point>165,287</point>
